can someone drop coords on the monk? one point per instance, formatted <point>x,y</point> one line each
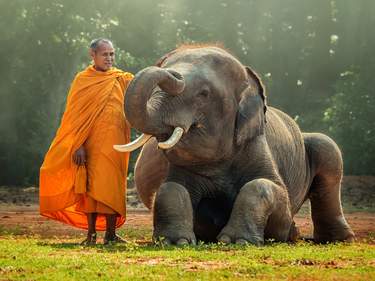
<point>83,179</point>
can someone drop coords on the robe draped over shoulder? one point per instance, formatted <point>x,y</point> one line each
<point>94,117</point>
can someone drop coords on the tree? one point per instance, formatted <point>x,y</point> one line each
<point>350,120</point>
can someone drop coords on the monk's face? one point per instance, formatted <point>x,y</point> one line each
<point>103,57</point>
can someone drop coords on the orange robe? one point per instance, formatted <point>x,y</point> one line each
<point>94,117</point>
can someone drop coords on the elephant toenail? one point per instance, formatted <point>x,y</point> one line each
<point>182,242</point>
<point>225,239</point>
<point>242,241</point>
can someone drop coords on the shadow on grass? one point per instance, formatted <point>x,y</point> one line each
<point>147,246</point>
<point>16,230</point>
<point>100,248</point>
<point>63,245</point>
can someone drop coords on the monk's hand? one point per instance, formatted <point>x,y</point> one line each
<point>79,156</point>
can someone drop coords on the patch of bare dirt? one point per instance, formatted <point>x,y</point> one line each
<point>358,192</point>
<point>28,221</point>
<point>19,212</point>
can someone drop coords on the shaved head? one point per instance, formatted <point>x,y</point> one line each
<point>95,44</point>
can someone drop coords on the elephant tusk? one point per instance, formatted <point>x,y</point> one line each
<point>133,145</point>
<point>176,136</point>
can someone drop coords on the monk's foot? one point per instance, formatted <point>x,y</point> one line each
<point>113,239</point>
<point>90,239</point>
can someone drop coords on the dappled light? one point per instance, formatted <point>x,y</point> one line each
<point>315,57</point>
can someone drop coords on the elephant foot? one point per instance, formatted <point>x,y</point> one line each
<point>178,239</point>
<point>173,216</point>
<point>332,231</point>
<point>348,237</point>
<point>228,236</point>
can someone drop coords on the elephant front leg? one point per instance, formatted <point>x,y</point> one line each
<point>173,215</point>
<point>261,210</point>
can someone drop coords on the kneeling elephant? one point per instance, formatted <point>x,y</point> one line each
<point>218,164</point>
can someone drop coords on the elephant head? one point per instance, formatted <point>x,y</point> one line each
<point>214,102</point>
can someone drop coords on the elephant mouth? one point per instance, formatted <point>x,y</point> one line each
<point>144,138</point>
<point>146,93</point>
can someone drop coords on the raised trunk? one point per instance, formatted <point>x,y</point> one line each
<point>141,116</point>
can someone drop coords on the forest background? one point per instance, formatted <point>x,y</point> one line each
<point>316,58</point>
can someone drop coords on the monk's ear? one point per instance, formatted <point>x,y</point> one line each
<point>91,53</point>
<point>252,107</point>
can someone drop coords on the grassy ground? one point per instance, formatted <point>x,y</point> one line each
<point>33,258</point>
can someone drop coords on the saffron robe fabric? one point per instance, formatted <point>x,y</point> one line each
<point>94,117</point>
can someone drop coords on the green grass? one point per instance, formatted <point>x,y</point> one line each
<point>34,258</point>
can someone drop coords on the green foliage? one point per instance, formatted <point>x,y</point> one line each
<point>298,47</point>
<point>351,120</point>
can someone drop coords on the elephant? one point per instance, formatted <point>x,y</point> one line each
<point>218,164</point>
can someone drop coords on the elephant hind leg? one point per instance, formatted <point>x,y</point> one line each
<point>326,211</point>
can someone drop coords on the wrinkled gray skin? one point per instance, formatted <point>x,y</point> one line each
<point>242,170</point>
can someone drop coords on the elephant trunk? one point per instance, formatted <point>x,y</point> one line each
<point>141,115</point>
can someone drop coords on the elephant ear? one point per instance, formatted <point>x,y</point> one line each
<point>252,107</point>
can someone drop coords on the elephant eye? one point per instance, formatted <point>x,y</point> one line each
<point>204,93</point>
